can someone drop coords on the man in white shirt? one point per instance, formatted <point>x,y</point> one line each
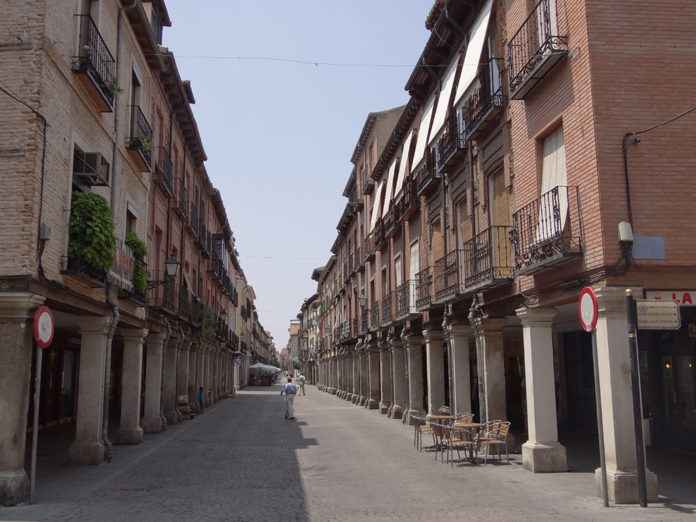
<point>301,381</point>
<point>289,390</point>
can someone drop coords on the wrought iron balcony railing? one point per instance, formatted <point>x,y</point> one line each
<point>140,139</point>
<point>424,283</point>
<point>374,316</point>
<point>183,200</point>
<point>364,320</point>
<point>446,276</point>
<point>164,170</point>
<point>548,230</point>
<point>535,48</point>
<point>405,300</point>
<point>486,259</point>
<point>162,295</point>
<point>96,62</point>
<point>448,145</point>
<point>484,104</point>
<point>387,309</point>
<point>425,173</point>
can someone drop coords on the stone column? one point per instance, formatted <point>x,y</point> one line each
<point>130,431</point>
<point>399,377</point>
<point>356,376</point>
<point>414,352</point>
<point>373,376</point>
<point>435,355</point>
<point>170,356</point>
<point>88,447</point>
<point>152,421</point>
<point>491,368</point>
<point>386,382</point>
<point>542,452</point>
<point>182,378</point>
<point>617,401</point>
<point>16,346</point>
<point>459,335</point>
<point>364,377</point>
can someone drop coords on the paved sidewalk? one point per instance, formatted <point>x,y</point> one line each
<point>241,461</point>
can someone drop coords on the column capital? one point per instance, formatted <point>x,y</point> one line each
<point>413,341</point>
<point>433,335</point>
<point>132,333</point>
<point>488,325</point>
<point>536,315</point>
<point>94,325</point>
<point>19,305</point>
<point>156,337</point>
<point>612,301</point>
<point>459,329</point>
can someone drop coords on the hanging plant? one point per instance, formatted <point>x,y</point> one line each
<point>139,250</point>
<point>92,238</point>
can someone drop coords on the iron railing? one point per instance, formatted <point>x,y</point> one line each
<point>486,258</point>
<point>536,46</point>
<point>485,100</point>
<point>140,138</point>
<point>405,299</point>
<point>425,173</point>
<point>163,293</point>
<point>448,145</point>
<point>374,315</point>
<point>95,59</point>
<point>364,320</point>
<point>547,230</point>
<point>387,309</point>
<point>165,170</point>
<point>424,283</point>
<point>183,202</point>
<point>446,276</point>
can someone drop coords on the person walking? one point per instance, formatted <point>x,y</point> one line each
<point>289,390</point>
<point>301,380</point>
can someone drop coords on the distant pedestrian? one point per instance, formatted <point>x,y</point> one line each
<point>301,380</point>
<point>289,390</point>
<point>199,397</point>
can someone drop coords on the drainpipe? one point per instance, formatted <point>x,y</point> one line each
<point>628,139</point>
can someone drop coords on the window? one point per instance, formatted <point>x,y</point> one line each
<point>131,222</point>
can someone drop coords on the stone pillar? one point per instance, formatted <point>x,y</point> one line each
<point>130,431</point>
<point>542,452</point>
<point>399,377</point>
<point>356,376</point>
<point>386,382</point>
<point>364,377</point>
<point>617,401</point>
<point>16,346</point>
<point>88,447</point>
<point>154,352</point>
<point>373,377</point>
<point>459,335</point>
<point>414,352</point>
<point>435,355</point>
<point>491,368</point>
<point>170,356</point>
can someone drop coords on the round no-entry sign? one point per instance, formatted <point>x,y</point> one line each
<point>44,327</point>
<point>588,309</point>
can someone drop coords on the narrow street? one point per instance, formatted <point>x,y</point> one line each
<point>241,461</point>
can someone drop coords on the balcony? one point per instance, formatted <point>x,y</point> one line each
<point>163,295</point>
<point>359,266</point>
<point>378,234</point>
<point>374,316</point>
<point>194,222</point>
<point>387,310</point>
<point>354,328</point>
<point>95,65</point>
<point>405,300</point>
<point>140,140</point>
<point>446,276</point>
<point>164,171</point>
<point>364,320</point>
<point>205,240</point>
<point>185,305</point>
<point>345,331</point>
<point>123,273</point>
<point>484,107</point>
<point>535,48</point>
<point>424,284</point>
<point>368,185</point>
<point>369,249</point>
<point>424,175</point>
<point>449,147</point>
<point>548,231</point>
<point>389,223</point>
<point>182,207</point>
<point>486,260</point>
<point>410,203</point>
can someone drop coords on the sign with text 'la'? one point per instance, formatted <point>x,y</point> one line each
<point>681,297</point>
<point>658,315</point>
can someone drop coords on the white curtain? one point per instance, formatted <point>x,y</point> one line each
<point>443,101</point>
<point>553,175</point>
<point>473,51</point>
<point>375,205</point>
<point>423,133</point>
<point>388,192</point>
<point>403,165</point>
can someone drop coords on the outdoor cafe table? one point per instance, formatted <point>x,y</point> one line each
<point>468,429</point>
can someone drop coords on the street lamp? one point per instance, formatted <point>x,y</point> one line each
<point>171,267</point>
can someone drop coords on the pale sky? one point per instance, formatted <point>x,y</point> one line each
<point>279,135</point>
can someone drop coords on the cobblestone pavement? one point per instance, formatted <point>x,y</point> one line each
<point>241,461</point>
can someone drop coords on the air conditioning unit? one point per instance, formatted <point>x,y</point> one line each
<point>91,169</point>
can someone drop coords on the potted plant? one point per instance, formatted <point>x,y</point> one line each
<point>92,243</point>
<point>139,250</point>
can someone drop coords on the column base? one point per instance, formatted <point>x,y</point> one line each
<point>623,486</point>
<point>14,487</point>
<point>172,417</point>
<point>410,414</point>
<point>396,412</point>
<point>153,424</point>
<point>384,407</point>
<point>372,404</point>
<point>332,391</point>
<point>130,436</point>
<point>362,401</point>
<point>86,452</point>
<point>544,457</point>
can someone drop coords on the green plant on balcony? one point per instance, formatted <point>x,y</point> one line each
<point>139,250</point>
<point>92,239</point>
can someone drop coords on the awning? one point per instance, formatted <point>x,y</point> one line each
<point>474,50</point>
<point>423,133</point>
<point>375,205</point>
<point>443,101</point>
<point>388,194</point>
<point>404,163</point>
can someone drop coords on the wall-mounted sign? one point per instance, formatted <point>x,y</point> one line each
<point>657,315</point>
<point>681,297</point>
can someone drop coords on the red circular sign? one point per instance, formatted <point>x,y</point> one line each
<point>588,309</point>
<point>44,327</point>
